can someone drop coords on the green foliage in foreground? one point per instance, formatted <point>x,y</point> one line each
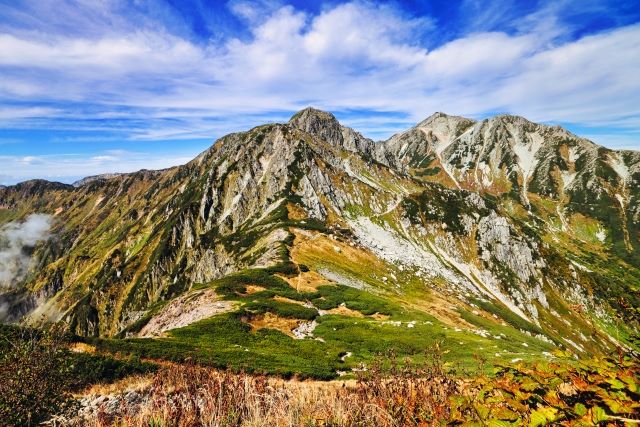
<point>35,374</point>
<point>38,372</point>
<point>590,392</point>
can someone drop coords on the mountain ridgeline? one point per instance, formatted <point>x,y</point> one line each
<point>501,231</point>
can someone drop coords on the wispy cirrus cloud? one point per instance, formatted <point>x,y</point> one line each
<point>71,167</point>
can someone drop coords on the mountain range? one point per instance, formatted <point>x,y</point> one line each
<point>503,235</point>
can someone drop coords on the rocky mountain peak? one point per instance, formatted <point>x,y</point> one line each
<point>440,117</point>
<point>88,179</point>
<point>326,127</point>
<point>317,122</point>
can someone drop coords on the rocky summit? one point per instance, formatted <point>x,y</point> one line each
<point>307,248</point>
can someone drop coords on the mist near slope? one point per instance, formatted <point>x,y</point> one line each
<point>17,238</point>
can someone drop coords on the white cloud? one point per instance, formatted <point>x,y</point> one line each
<point>253,10</point>
<point>70,167</point>
<point>28,112</point>
<point>351,56</point>
<point>14,238</point>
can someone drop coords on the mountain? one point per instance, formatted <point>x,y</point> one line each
<point>502,235</point>
<point>88,179</point>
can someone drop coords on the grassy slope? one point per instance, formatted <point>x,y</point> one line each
<point>377,325</point>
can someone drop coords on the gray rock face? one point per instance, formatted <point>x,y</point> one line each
<point>500,242</point>
<point>326,127</point>
<point>322,124</point>
<point>89,179</point>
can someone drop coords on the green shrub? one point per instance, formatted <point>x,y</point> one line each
<point>38,373</point>
<point>35,376</point>
<point>283,309</point>
<point>94,368</point>
<point>332,296</point>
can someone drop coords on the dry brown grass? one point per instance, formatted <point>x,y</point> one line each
<point>589,392</point>
<point>189,396</point>
<point>345,311</point>
<point>287,300</point>
<point>440,308</point>
<point>312,249</point>
<point>380,316</point>
<point>306,281</point>
<point>252,289</point>
<point>130,383</point>
<point>80,347</point>
<point>296,212</point>
<point>271,321</point>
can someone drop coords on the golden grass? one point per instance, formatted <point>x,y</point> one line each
<point>287,300</point>
<point>189,396</point>
<point>80,347</point>
<point>131,383</point>
<point>296,212</point>
<point>440,308</point>
<point>272,321</point>
<point>306,281</point>
<point>316,249</point>
<point>252,289</point>
<point>380,316</point>
<point>345,311</point>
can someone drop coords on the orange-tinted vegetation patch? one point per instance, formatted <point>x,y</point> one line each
<point>271,321</point>
<point>345,311</point>
<point>296,212</point>
<point>564,151</point>
<point>441,309</point>
<point>306,281</point>
<point>80,347</point>
<point>287,300</point>
<point>314,248</point>
<point>252,289</point>
<point>380,316</point>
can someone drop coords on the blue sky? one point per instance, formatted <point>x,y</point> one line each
<point>95,86</point>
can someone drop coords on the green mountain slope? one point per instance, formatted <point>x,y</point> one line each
<point>307,248</point>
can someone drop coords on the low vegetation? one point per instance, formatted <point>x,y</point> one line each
<point>350,327</point>
<point>38,372</point>
<point>390,394</point>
